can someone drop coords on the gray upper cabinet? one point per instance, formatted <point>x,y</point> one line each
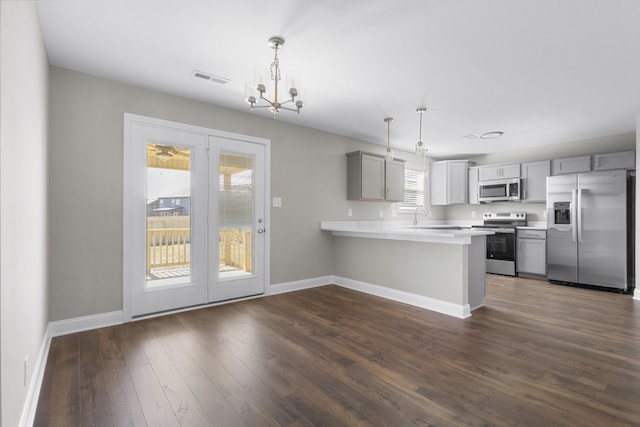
<point>534,181</point>
<point>370,177</point>
<point>488,173</point>
<point>473,185</point>
<point>619,160</point>
<point>394,179</point>
<point>571,165</point>
<point>448,183</point>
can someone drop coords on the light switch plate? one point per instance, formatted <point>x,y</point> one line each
<point>277,202</point>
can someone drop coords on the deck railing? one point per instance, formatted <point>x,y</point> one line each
<point>171,247</point>
<point>235,248</point>
<point>168,247</point>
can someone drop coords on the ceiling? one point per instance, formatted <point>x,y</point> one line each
<point>541,71</point>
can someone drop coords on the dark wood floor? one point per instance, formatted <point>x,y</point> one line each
<point>535,355</point>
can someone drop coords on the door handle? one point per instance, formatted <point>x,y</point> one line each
<point>572,213</point>
<point>579,215</point>
<point>261,230</point>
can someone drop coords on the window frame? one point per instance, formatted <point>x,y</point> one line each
<point>414,183</point>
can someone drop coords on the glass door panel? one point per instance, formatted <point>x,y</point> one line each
<point>237,209</point>
<point>168,247</point>
<point>165,222</point>
<point>235,215</point>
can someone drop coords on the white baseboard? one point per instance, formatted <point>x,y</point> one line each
<point>33,392</point>
<point>280,288</point>
<point>85,323</point>
<point>55,329</point>
<point>444,307</point>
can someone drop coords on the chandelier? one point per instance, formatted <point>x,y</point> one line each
<point>420,147</point>
<point>275,104</point>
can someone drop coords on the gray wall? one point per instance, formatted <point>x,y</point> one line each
<point>308,171</point>
<point>566,149</point>
<point>415,267</point>
<point>23,200</point>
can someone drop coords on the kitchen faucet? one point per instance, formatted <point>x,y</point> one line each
<point>415,215</point>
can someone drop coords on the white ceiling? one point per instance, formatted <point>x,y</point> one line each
<point>541,71</point>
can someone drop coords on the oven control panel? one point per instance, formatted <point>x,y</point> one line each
<point>514,216</point>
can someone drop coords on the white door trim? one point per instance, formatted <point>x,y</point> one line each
<point>128,221</point>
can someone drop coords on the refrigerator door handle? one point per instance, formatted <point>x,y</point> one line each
<point>579,215</point>
<point>574,230</point>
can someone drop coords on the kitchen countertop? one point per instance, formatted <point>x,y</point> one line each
<point>398,230</point>
<point>535,225</point>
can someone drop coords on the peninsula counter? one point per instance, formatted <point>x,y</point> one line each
<point>438,268</point>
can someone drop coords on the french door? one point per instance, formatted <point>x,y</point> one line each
<point>194,216</point>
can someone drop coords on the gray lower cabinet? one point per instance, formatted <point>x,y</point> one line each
<point>532,253</point>
<point>371,177</point>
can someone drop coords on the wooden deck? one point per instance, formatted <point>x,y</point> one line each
<point>535,355</point>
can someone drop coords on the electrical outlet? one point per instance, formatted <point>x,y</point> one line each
<point>429,213</point>
<point>277,202</point>
<point>394,213</point>
<point>26,370</point>
<point>473,214</point>
<point>349,212</point>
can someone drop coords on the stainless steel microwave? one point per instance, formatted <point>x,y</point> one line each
<point>499,190</point>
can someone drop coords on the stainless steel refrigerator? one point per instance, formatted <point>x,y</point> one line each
<point>587,229</point>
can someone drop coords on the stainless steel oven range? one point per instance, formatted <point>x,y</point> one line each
<point>501,246</point>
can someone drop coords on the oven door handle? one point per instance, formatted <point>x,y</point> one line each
<point>572,212</point>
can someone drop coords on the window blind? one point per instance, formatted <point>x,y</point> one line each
<point>413,189</point>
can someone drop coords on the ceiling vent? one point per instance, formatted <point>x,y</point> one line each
<point>210,77</point>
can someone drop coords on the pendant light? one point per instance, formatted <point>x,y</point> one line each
<point>389,154</point>
<point>420,146</point>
